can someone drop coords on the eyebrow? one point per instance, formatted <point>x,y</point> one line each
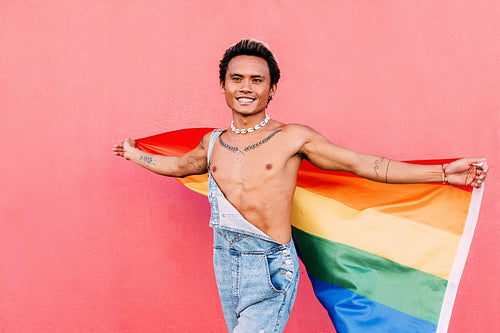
<point>252,76</point>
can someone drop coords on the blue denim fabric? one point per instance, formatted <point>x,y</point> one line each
<point>257,277</point>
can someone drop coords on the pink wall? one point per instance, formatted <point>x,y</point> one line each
<point>91,243</point>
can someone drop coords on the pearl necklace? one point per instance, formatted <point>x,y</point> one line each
<point>251,129</point>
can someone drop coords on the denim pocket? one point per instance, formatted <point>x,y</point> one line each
<point>281,270</point>
<point>231,237</point>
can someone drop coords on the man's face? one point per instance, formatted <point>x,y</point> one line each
<point>248,85</point>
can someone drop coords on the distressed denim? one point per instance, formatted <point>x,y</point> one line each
<point>257,277</point>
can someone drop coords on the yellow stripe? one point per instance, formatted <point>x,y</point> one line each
<point>398,239</point>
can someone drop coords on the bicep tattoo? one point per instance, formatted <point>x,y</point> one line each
<point>195,163</point>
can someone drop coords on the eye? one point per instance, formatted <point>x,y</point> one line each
<point>236,79</point>
<point>257,80</point>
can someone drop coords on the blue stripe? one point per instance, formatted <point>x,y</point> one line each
<point>352,313</point>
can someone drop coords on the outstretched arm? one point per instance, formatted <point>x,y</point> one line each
<point>326,155</point>
<point>194,162</point>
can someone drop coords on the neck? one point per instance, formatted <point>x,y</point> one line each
<point>245,121</point>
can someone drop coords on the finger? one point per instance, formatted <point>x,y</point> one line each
<point>480,162</point>
<point>482,171</point>
<point>471,175</point>
<point>485,167</point>
<point>475,183</point>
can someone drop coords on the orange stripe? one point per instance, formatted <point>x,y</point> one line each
<point>197,183</point>
<point>434,205</point>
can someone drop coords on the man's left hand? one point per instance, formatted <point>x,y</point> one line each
<point>466,171</point>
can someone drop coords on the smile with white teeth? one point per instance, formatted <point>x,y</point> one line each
<point>245,99</point>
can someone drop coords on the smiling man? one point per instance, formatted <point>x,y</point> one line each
<point>252,169</point>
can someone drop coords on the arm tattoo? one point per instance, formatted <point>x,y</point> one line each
<point>387,170</point>
<point>195,163</point>
<point>376,167</point>
<point>148,160</point>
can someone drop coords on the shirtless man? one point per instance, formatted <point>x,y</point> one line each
<point>252,179</point>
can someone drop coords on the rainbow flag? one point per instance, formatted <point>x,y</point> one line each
<point>381,257</point>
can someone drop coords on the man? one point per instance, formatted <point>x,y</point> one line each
<point>252,169</point>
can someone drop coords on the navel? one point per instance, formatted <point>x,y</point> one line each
<point>269,166</point>
<point>214,168</point>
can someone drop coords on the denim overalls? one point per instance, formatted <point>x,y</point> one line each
<point>257,277</point>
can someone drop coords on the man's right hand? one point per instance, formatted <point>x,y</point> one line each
<point>124,147</point>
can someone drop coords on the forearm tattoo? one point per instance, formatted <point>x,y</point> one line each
<point>148,160</point>
<point>376,167</point>
<point>378,164</point>
<point>387,170</point>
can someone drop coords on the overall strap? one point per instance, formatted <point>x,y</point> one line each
<point>213,137</point>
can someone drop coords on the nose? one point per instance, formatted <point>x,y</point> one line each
<point>246,86</point>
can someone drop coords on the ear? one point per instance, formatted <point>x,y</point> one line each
<point>272,90</point>
<point>223,90</point>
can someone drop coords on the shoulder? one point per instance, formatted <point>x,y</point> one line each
<point>298,131</point>
<point>297,136</point>
<point>205,140</point>
<point>306,139</point>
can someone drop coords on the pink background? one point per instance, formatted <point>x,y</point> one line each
<point>92,243</point>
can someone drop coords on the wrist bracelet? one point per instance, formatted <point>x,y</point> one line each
<point>445,179</point>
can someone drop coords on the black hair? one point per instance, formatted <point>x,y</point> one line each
<point>250,47</point>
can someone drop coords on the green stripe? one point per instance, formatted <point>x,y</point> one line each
<point>384,281</point>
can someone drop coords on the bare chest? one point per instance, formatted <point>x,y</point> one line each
<point>250,162</point>
<point>244,166</point>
